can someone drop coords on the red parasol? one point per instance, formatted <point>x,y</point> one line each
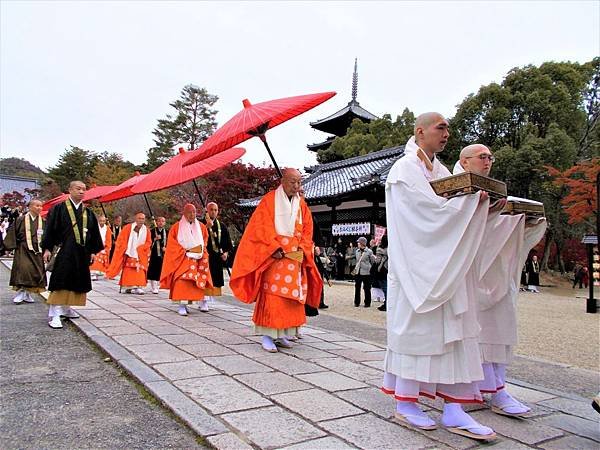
<point>95,192</point>
<point>91,194</point>
<point>173,171</point>
<point>123,190</point>
<point>255,120</point>
<point>53,201</point>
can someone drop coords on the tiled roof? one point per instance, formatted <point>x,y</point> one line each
<point>352,107</point>
<point>342,177</point>
<point>321,145</point>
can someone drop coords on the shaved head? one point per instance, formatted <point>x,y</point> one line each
<point>35,207</point>
<point>75,183</point>
<point>471,159</point>
<point>189,207</point>
<point>77,190</point>
<point>426,119</point>
<point>473,149</point>
<point>291,181</point>
<point>431,132</point>
<point>189,212</point>
<point>213,210</point>
<point>140,219</point>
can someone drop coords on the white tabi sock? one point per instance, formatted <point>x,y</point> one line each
<point>20,296</point>
<point>268,344</point>
<point>454,417</point>
<point>413,414</point>
<point>508,403</point>
<point>54,310</point>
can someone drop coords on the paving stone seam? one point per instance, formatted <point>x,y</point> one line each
<point>122,356</point>
<point>137,373</point>
<point>334,393</point>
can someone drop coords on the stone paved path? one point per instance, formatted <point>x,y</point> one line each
<point>323,394</point>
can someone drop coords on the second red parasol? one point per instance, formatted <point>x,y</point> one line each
<point>255,120</point>
<point>173,171</point>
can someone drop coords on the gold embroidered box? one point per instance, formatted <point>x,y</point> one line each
<point>530,208</point>
<point>468,183</point>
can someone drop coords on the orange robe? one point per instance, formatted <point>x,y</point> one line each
<point>131,274</point>
<point>186,278</point>
<point>101,261</point>
<point>279,287</point>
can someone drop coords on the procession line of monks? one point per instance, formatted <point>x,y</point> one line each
<point>453,276</point>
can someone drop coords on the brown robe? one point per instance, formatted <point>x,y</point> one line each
<point>28,270</point>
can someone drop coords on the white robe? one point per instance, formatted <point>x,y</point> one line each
<point>498,264</point>
<point>432,329</point>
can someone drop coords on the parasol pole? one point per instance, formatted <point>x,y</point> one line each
<point>263,138</point>
<point>198,191</point>
<point>103,210</point>
<point>149,209</point>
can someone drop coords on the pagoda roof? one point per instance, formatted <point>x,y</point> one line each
<point>338,122</point>
<point>340,178</point>
<point>321,145</point>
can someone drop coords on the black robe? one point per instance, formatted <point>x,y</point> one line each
<point>157,252</point>
<point>72,266</point>
<point>116,230</point>
<point>533,274</point>
<point>28,266</point>
<point>221,246</point>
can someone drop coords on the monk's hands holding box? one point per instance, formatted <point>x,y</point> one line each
<point>498,205</point>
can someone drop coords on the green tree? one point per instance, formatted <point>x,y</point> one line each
<point>74,164</point>
<point>191,124</point>
<point>538,116</point>
<point>363,138</point>
<point>528,102</point>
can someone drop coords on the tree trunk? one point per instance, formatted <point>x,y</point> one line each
<point>547,247</point>
<point>559,259</point>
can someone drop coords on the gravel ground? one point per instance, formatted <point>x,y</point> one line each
<point>553,325</point>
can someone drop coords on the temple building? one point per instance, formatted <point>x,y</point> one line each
<point>338,123</point>
<point>347,197</point>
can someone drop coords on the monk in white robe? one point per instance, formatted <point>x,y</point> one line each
<point>508,242</point>
<point>432,328</point>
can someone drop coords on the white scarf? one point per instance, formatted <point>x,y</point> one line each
<point>286,212</point>
<point>189,235</point>
<point>135,240</point>
<point>438,171</point>
<point>458,168</point>
<point>103,233</point>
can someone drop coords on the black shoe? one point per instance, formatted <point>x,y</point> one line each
<point>357,305</point>
<point>323,306</point>
<point>367,306</point>
<point>382,308</point>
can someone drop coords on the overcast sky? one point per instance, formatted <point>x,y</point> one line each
<point>99,75</point>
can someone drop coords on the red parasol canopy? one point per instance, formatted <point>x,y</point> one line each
<point>123,190</point>
<point>255,120</point>
<point>173,173</point>
<point>96,192</point>
<point>53,201</point>
<point>91,194</point>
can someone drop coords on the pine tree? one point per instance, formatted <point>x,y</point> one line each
<point>191,124</point>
